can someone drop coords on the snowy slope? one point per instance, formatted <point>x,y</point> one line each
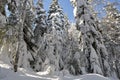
<point>6,73</point>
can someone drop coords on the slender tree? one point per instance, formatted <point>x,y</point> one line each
<point>40,29</point>
<point>40,22</point>
<point>110,31</point>
<point>56,33</point>
<point>21,19</point>
<point>92,46</point>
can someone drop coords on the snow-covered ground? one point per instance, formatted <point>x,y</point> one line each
<point>6,73</point>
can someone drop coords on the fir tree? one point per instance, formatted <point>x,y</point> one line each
<point>2,20</point>
<point>39,31</point>
<point>110,32</point>
<point>40,21</point>
<point>28,54</point>
<point>56,33</point>
<point>21,45</point>
<point>73,56</point>
<point>92,46</point>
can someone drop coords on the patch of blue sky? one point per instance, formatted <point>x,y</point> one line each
<point>65,4</point>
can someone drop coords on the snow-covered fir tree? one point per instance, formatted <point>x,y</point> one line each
<point>2,20</point>
<point>39,31</point>
<point>72,59</point>
<point>8,39</point>
<point>29,35</point>
<point>40,21</point>
<point>36,41</point>
<point>110,31</point>
<point>2,15</point>
<point>56,36</point>
<point>12,33</point>
<point>92,47</point>
<point>20,46</point>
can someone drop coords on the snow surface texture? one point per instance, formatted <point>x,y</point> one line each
<point>6,73</point>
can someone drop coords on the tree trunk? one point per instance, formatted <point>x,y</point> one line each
<point>20,36</point>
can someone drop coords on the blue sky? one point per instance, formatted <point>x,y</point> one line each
<point>65,4</point>
<point>68,9</point>
<point>100,8</point>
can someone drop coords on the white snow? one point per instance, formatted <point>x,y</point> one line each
<point>6,73</point>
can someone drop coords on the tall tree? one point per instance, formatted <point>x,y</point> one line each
<point>2,19</point>
<point>40,29</point>
<point>7,28</point>
<point>20,32</point>
<point>28,33</point>
<point>110,31</point>
<point>56,33</point>
<point>92,46</point>
<point>40,21</point>
<point>21,47</point>
<point>73,56</point>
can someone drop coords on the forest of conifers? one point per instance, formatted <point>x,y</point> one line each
<point>34,39</point>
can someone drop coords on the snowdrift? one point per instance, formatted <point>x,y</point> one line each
<point>6,73</point>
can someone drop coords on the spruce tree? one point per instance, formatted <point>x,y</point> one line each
<point>9,35</point>
<point>92,46</point>
<point>40,29</point>
<point>40,21</point>
<point>12,30</point>
<point>73,56</point>
<point>2,20</point>
<point>21,46</point>
<point>110,31</point>
<point>55,37</point>
<point>28,34</point>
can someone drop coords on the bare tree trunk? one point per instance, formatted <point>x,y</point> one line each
<point>20,35</point>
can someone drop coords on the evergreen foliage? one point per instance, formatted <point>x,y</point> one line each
<point>34,40</point>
